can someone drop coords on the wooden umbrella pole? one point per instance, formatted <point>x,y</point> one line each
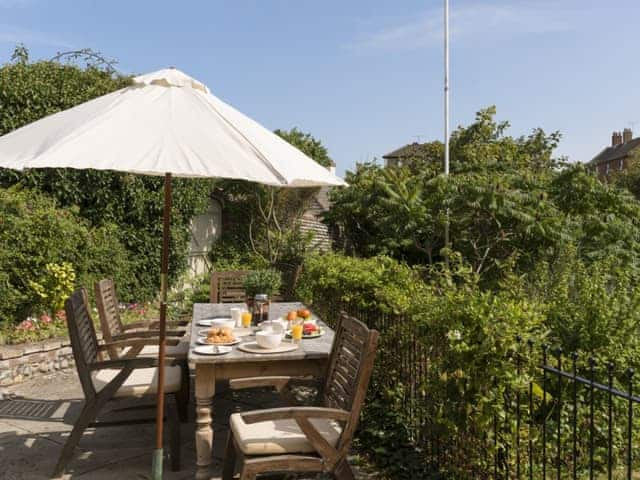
<point>157,458</point>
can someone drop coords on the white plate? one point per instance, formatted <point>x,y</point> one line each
<point>211,350</point>
<point>207,322</point>
<point>203,341</point>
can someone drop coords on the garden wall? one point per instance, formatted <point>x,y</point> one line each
<point>22,362</point>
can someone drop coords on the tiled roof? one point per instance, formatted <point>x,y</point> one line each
<point>411,150</point>
<point>614,153</point>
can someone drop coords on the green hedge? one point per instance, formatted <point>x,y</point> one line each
<point>446,356</point>
<point>45,246</point>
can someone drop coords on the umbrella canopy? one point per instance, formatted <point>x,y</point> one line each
<point>166,123</point>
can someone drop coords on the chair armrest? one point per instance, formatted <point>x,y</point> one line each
<point>277,382</point>
<point>148,334</point>
<point>170,323</point>
<point>142,324</point>
<point>153,324</point>
<point>256,416</point>
<point>135,343</point>
<point>135,362</point>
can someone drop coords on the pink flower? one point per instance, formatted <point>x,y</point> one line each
<point>45,318</point>
<point>61,315</point>
<point>133,306</point>
<point>27,324</point>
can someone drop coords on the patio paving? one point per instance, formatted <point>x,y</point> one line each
<point>37,416</point>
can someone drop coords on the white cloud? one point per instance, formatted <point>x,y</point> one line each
<point>468,21</point>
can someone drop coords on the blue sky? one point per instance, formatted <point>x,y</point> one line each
<point>365,76</point>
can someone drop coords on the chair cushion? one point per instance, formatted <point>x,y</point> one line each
<point>142,381</point>
<point>280,436</point>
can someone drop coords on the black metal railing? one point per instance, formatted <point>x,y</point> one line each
<point>569,417</point>
<point>579,425</point>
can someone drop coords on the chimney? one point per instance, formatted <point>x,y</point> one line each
<point>627,135</point>
<point>616,139</point>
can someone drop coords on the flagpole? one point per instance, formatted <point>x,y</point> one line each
<point>446,87</point>
<point>446,108</point>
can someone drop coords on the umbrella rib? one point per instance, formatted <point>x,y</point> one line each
<point>261,155</point>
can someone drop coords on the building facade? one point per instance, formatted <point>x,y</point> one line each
<point>616,157</point>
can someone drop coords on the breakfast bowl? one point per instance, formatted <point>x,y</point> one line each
<point>223,323</point>
<point>268,339</point>
<point>274,326</point>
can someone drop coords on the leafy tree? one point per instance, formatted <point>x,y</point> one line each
<point>495,201</point>
<point>266,220</point>
<point>307,144</point>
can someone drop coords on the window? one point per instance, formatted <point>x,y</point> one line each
<point>607,167</point>
<point>621,164</point>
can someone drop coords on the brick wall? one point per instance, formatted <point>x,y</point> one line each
<point>22,362</point>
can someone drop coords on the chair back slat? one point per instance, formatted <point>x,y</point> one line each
<point>349,371</point>
<point>228,286</point>
<point>107,303</point>
<point>82,334</point>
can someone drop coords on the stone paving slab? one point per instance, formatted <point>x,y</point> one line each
<point>39,414</point>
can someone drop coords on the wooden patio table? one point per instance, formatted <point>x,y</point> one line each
<point>309,359</point>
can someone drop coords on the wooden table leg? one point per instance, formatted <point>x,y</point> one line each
<point>205,389</point>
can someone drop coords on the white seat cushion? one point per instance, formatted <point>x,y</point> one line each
<point>280,436</point>
<point>142,381</point>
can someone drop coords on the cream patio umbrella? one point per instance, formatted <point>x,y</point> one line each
<point>166,123</point>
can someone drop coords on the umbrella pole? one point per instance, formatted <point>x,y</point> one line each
<point>158,454</point>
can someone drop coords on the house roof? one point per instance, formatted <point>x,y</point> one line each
<point>411,150</point>
<point>617,152</point>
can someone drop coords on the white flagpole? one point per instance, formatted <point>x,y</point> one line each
<point>446,108</point>
<point>446,87</point>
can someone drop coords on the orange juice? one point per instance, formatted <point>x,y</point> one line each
<point>296,332</point>
<point>246,319</point>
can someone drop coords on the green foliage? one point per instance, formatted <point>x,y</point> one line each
<point>46,251</point>
<point>467,335</point>
<point>307,144</point>
<point>30,91</point>
<point>508,204</point>
<point>266,281</point>
<point>377,282</point>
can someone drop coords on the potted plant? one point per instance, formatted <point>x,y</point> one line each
<point>267,282</point>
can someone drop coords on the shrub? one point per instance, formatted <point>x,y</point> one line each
<point>266,281</point>
<point>45,252</point>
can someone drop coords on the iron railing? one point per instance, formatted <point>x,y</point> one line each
<point>572,417</point>
<point>575,419</point>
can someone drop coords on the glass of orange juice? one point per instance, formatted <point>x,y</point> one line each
<point>296,331</point>
<point>246,319</point>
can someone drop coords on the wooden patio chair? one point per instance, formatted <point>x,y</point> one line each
<point>307,439</point>
<point>228,286</point>
<point>113,330</point>
<point>104,381</point>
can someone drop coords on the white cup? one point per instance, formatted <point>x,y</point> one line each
<point>236,315</point>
